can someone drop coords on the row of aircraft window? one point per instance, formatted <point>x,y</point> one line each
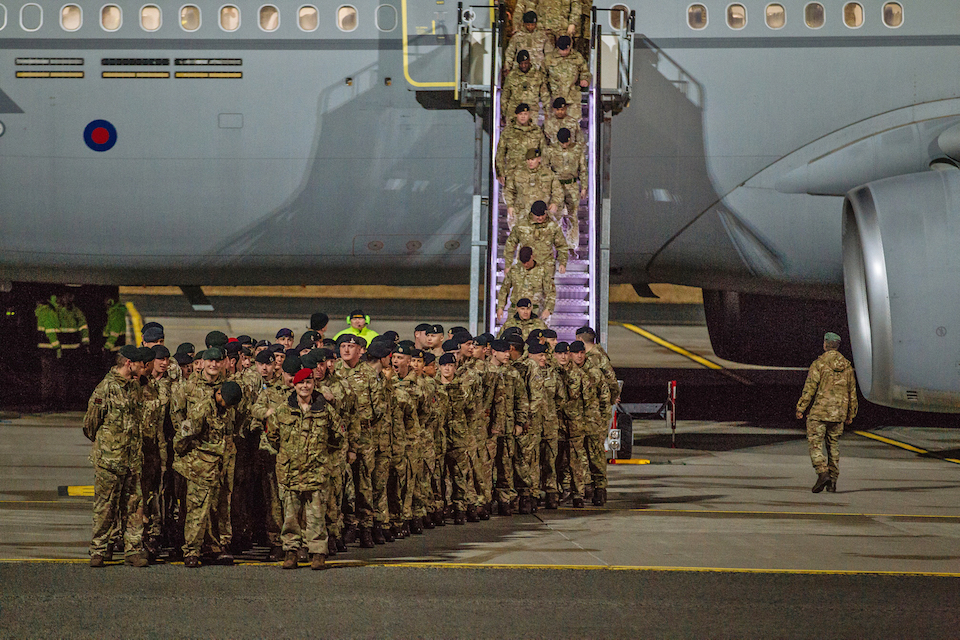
<point>151,17</point>
<point>814,15</point>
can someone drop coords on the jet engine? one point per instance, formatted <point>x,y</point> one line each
<point>901,264</point>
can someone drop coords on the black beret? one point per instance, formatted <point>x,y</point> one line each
<point>310,360</point>
<point>153,334</point>
<point>524,302</point>
<point>577,347</point>
<point>536,334</point>
<point>265,357</point>
<point>512,331</point>
<point>455,330</point>
<point>262,343</point>
<point>448,358</point>
<point>563,135</point>
<point>350,338</point>
<point>450,345</point>
<point>379,350</point>
<point>563,42</point>
<point>245,339</point>
<point>536,348</point>
<point>309,336</point>
<point>428,358</point>
<point>586,329</point>
<point>481,340</point>
<point>514,340</point>
<point>216,339</point>
<point>437,328</point>
<point>525,254</point>
<point>404,350</point>
<point>231,393</point>
<point>232,348</point>
<point>530,17</point>
<point>522,56</point>
<point>562,347</point>
<point>548,333</point>
<point>523,106</point>
<point>329,343</point>
<point>186,347</point>
<point>417,353</point>
<point>183,359</point>
<point>161,351</point>
<point>409,343</point>
<point>147,354</point>
<point>213,353</point>
<point>538,208</point>
<point>318,321</point>
<point>559,103</point>
<point>500,345</point>
<point>130,352</point>
<point>393,336</point>
<point>291,365</point>
<point>461,337</point>
<point>151,325</point>
<point>276,348</point>
<point>292,353</point>
<point>423,326</point>
<point>325,354</point>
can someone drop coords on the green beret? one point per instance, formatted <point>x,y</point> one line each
<point>213,353</point>
<point>291,365</point>
<point>831,337</point>
<point>216,339</point>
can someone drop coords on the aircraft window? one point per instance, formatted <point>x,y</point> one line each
<point>347,18</point>
<point>3,18</point>
<point>71,17</point>
<point>31,17</point>
<point>618,16</point>
<point>229,18</point>
<point>386,17</point>
<point>736,16</point>
<point>111,17</point>
<point>776,16</point>
<point>813,15</point>
<point>308,18</point>
<point>852,15</point>
<point>269,18</point>
<point>150,17</point>
<point>697,16</point>
<point>190,18</point>
<point>892,14</point>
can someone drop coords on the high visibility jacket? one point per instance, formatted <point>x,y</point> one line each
<point>73,327</point>
<point>116,326</point>
<point>48,326</point>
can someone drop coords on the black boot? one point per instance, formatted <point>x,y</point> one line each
<point>597,497</point>
<point>526,505</point>
<point>552,500</point>
<point>832,487</point>
<point>472,515</point>
<point>822,481</point>
<point>603,496</point>
<point>331,546</point>
<point>388,534</point>
<point>438,518</point>
<point>366,539</point>
<point>350,534</point>
<point>428,521</point>
<point>506,509</point>
<point>378,537</point>
<point>578,503</point>
<point>416,526</point>
<point>405,530</point>
<point>341,545</point>
<point>459,517</point>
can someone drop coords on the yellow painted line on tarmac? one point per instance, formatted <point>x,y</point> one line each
<point>901,445</point>
<point>77,491</point>
<point>845,514</point>
<point>630,461</point>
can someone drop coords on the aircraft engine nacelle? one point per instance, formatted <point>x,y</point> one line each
<point>901,264</point>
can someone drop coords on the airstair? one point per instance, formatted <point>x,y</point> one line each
<point>582,292</point>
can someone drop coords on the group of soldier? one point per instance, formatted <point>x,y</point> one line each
<point>361,438</point>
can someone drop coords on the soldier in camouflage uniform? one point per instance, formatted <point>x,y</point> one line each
<point>831,387</point>
<point>557,17</point>
<point>247,445</point>
<point>547,393</point>
<point>389,442</point>
<point>156,419</point>
<point>526,186</point>
<point>201,445</point>
<point>525,84</point>
<point>561,119</point>
<point>509,418</point>
<point>113,423</point>
<point>424,499</point>
<point>580,413</point>
<point>305,431</point>
<point>540,234</point>
<point>568,74</point>
<point>271,392</point>
<point>596,363</point>
<point>410,406</point>
<point>519,136</point>
<point>524,319</point>
<point>531,282</point>
<point>459,438</point>
<point>569,162</point>
<point>530,39</point>
<point>438,480</point>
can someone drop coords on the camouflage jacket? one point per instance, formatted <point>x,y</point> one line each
<point>367,388</point>
<point>191,391</point>
<point>429,416</point>
<point>113,423</point>
<point>552,15</point>
<point>832,387</point>
<point>536,284</point>
<point>526,326</point>
<point>269,396</point>
<point>547,393</point>
<point>344,405</point>
<point>202,441</point>
<point>542,237</point>
<point>407,401</point>
<point>582,409</point>
<point>522,40</point>
<point>525,186</point>
<point>552,125</point>
<point>513,144</point>
<point>510,406</point>
<point>564,74</point>
<point>598,358</point>
<point>455,418</point>
<point>568,164</point>
<point>441,415</point>
<point>156,407</point>
<point>520,87</point>
<point>306,442</point>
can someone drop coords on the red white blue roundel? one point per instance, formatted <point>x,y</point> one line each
<point>100,135</point>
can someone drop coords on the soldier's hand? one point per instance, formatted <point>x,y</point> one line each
<point>499,315</point>
<point>509,211</point>
<point>584,83</point>
<point>545,315</point>
<point>571,30</point>
<point>501,180</point>
<point>328,395</point>
<point>799,415</point>
<point>562,269</point>
<point>553,208</point>
<point>848,422</point>
<point>517,429</point>
<point>351,457</point>
<point>583,193</point>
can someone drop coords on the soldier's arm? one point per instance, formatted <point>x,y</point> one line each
<point>505,95</point>
<point>510,191</point>
<point>584,70</point>
<point>556,191</point>
<point>545,91</point>
<point>510,248</point>
<point>549,286</point>
<point>809,389</point>
<point>852,390</point>
<point>561,244</point>
<point>501,165</point>
<point>505,289</point>
<point>521,399</point>
<point>510,57</point>
<point>93,419</point>
<point>272,431</point>
<point>574,18</point>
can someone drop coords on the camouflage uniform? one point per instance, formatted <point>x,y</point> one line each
<point>441,412</point>
<point>509,409</point>
<point>459,441</point>
<point>564,74</point>
<point>554,16</point>
<point>113,423</point>
<point>201,446</point>
<point>406,456</point>
<point>525,186</point>
<point>270,395</point>
<point>832,387</point>
<point>536,44</point>
<point>247,444</point>
<point>536,284</point>
<point>579,412</point>
<point>424,447</point>
<point>570,166</point>
<point>526,326</point>
<point>512,147</point>
<point>608,390</point>
<point>156,404</point>
<point>343,404</point>
<point>553,125</point>
<point>542,237</point>
<point>520,87</point>
<point>365,438</point>
<point>307,443</point>
<point>485,444</point>
<point>547,393</point>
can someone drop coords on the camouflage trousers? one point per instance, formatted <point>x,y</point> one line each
<point>266,470</point>
<point>363,469</point>
<point>504,459</point>
<point>422,483</point>
<point>597,460</point>
<point>476,494</point>
<point>117,504</point>
<point>200,503</point>
<point>458,470</point>
<point>817,432</point>
<point>528,456</point>
<point>572,465</point>
<point>438,483</point>
<point>333,515</point>
<point>383,464</point>
<point>549,448</point>
<point>310,505</point>
<point>571,201</point>
<point>348,505</point>
<point>221,525</point>
<point>151,482</point>
<point>399,497</point>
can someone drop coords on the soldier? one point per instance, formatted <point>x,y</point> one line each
<point>157,428</point>
<point>459,438</point>
<point>580,413</point>
<point>201,444</point>
<point>598,367</point>
<point>271,392</point>
<point>525,320</point>
<point>526,186</point>
<point>530,39</point>
<point>435,340</point>
<point>562,120</point>
<point>420,335</point>
<point>113,423</point>
<point>318,323</point>
<point>410,403</point>
<point>285,338</point>
<point>831,386</point>
<point>557,17</point>
<point>531,282</point>
<point>525,84</point>
<point>568,74</point>
<point>304,430</point>
<point>509,418</point>
<point>540,234</point>
<point>519,136</point>
<point>569,162</point>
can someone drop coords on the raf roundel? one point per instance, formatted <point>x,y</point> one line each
<point>100,135</point>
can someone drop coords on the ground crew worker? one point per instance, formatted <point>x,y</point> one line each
<point>304,430</point>
<point>561,119</point>
<point>52,390</point>
<point>201,443</point>
<point>540,234</point>
<point>517,137</point>
<point>115,331</point>
<point>113,423</point>
<point>568,74</point>
<point>530,39</point>
<point>359,322</point>
<point>831,387</point>
<point>525,84</point>
<point>532,282</point>
<point>526,186</point>
<point>557,17</point>
<point>569,162</point>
